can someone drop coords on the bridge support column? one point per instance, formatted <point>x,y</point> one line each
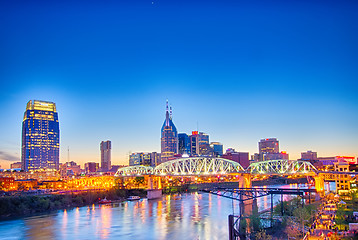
<point>245,180</point>
<point>154,187</point>
<point>150,182</point>
<point>319,184</point>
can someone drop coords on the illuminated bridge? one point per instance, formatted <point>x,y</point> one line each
<point>202,166</point>
<point>282,166</point>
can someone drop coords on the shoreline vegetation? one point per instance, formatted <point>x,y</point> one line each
<point>25,206</point>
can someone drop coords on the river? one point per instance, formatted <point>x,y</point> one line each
<point>181,216</point>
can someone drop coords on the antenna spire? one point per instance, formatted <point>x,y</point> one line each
<point>171,113</point>
<point>167,115</point>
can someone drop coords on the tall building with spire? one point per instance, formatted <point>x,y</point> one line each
<point>40,136</point>
<point>169,137</point>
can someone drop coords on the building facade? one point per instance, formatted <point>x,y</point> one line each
<point>343,184</point>
<point>16,165</point>
<point>269,145</point>
<point>239,157</point>
<point>40,137</point>
<point>269,150</point>
<point>106,147</point>
<point>184,144</point>
<point>199,144</point>
<point>169,137</point>
<point>91,167</point>
<point>217,148</point>
<point>309,156</point>
<point>146,159</point>
<point>194,144</point>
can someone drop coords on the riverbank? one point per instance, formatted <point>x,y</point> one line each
<point>23,206</point>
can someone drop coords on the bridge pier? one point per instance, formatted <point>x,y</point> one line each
<point>247,206</point>
<point>319,183</point>
<point>245,180</point>
<point>154,187</point>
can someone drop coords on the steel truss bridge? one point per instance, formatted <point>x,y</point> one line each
<point>244,194</point>
<point>206,166</point>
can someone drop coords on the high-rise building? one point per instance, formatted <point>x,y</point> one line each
<point>40,136</point>
<point>269,150</point>
<point>194,144</point>
<point>269,145</point>
<point>184,144</point>
<point>199,144</point>
<point>106,155</point>
<point>169,137</point>
<point>204,146</point>
<point>218,148</point>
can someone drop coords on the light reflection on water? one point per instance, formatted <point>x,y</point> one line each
<point>186,216</point>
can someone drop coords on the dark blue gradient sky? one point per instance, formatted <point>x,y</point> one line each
<point>241,70</point>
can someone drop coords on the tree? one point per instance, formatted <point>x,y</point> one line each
<point>302,215</point>
<point>292,228</point>
<point>255,222</point>
<point>262,235</point>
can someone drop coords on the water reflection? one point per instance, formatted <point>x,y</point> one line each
<point>41,227</point>
<point>106,220</point>
<point>187,216</point>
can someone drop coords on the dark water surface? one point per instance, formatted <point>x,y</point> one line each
<point>182,216</point>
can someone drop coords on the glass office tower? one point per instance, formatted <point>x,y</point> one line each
<point>40,137</point>
<point>184,144</point>
<point>106,147</point>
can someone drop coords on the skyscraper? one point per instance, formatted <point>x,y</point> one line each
<point>106,155</point>
<point>194,144</point>
<point>269,145</point>
<point>199,144</point>
<point>269,150</point>
<point>204,146</point>
<point>40,136</point>
<point>184,144</point>
<point>169,137</point>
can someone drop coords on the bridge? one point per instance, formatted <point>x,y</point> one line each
<point>204,166</point>
<point>211,166</point>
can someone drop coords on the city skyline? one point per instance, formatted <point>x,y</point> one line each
<point>238,72</point>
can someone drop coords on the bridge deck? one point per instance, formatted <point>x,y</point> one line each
<point>243,194</point>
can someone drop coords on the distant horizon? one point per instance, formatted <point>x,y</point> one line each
<point>126,161</point>
<point>239,71</point>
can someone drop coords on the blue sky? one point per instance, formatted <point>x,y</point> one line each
<point>241,70</point>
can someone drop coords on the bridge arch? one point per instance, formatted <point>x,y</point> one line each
<point>137,170</point>
<point>282,166</point>
<point>198,166</point>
